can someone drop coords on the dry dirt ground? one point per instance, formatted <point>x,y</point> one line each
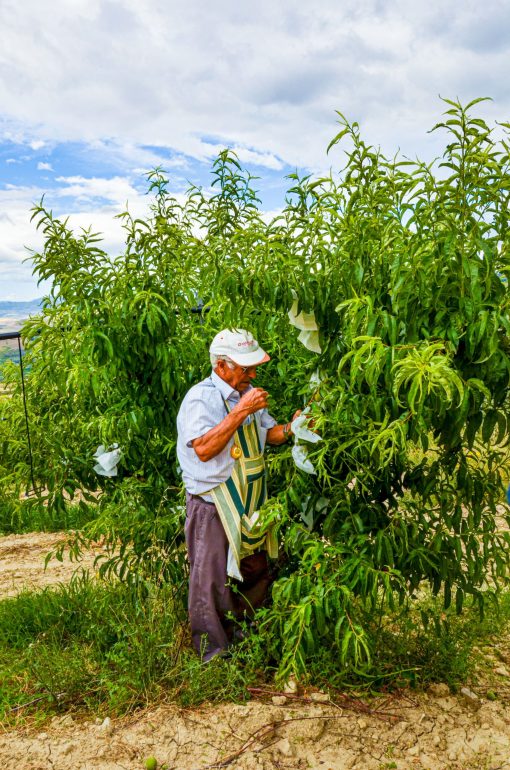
<point>406,731</point>
<point>22,562</point>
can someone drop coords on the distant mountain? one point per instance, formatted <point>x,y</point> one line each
<point>19,310</point>
<point>13,314</point>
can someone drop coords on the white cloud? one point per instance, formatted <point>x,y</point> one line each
<point>265,78</point>
<point>44,166</point>
<point>86,203</point>
<point>115,190</point>
<point>16,233</point>
<point>265,159</point>
<point>131,157</point>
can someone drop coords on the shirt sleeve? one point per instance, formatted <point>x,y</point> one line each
<point>198,415</point>
<point>266,421</point>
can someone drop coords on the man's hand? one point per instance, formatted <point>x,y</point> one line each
<point>252,401</point>
<point>280,434</point>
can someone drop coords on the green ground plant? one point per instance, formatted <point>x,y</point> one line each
<point>104,648</point>
<point>405,267</point>
<point>30,514</point>
<point>107,649</point>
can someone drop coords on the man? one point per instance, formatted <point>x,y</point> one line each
<point>223,425</point>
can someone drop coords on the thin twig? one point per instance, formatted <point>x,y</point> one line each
<point>346,701</point>
<point>260,734</point>
<point>36,700</point>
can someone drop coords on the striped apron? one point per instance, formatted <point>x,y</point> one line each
<point>239,498</point>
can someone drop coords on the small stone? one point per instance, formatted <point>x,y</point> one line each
<point>439,690</point>
<point>413,751</point>
<point>362,724</point>
<point>291,686</point>
<point>67,748</point>
<point>285,747</point>
<point>106,726</point>
<point>470,697</point>
<point>279,700</point>
<point>42,736</point>
<point>319,697</point>
<point>501,671</point>
<point>66,721</point>
<point>98,721</point>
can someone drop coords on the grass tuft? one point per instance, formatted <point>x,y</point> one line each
<point>109,648</point>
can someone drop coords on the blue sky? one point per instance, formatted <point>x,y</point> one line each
<point>93,93</point>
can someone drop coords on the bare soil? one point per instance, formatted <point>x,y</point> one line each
<point>22,562</point>
<point>428,731</point>
<point>436,730</point>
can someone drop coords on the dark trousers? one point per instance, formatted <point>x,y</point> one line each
<point>210,597</point>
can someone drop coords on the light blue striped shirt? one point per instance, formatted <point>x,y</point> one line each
<point>203,408</point>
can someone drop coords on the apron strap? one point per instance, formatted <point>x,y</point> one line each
<point>239,498</point>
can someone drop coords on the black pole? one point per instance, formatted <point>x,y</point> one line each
<point>10,335</point>
<point>26,414</point>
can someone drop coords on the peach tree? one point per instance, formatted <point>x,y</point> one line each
<point>403,266</point>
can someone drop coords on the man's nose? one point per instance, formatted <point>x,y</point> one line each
<point>252,375</point>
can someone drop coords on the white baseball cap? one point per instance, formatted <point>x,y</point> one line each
<point>240,346</point>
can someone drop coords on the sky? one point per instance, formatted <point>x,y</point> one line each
<point>95,93</point>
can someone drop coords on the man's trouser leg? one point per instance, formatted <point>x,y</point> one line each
<point>210,599</point>
<point>253,591</point>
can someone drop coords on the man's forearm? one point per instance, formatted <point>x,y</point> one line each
<point>279,434</point>
<point>215,440</point>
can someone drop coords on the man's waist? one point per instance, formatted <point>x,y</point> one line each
<point>201,499</point>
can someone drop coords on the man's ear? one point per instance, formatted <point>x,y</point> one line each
<point>220,368</point>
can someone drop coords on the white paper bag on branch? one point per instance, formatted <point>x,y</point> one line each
<point>300,457</point>
<point>107,460</point>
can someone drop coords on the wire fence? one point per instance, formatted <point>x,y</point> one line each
<point>9,352</point>
<point>17,336</point>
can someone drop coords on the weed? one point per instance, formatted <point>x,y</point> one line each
<point>113,647</point>
<point>31,514</point>
<point>102,647</point>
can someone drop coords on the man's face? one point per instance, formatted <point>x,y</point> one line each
<point>238,378</point>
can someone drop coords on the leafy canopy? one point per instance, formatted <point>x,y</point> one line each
<point>405,266</point>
